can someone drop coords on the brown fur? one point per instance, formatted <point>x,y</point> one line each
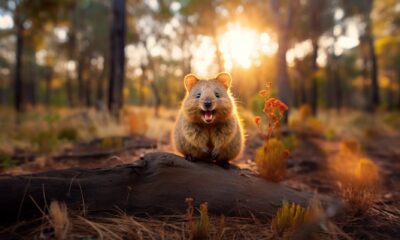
<point>219,140</point>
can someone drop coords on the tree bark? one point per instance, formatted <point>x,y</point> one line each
<point>157,184</point>
<point>284,24</point>
<point>218,54</point>
<point>314,83</point>
<point>88,92</point>
<point>398,89</point>
<point>157,97</point>
<point>81,84</point>
<point>117,58</point>
<point>100,86</point>
<point>369,38</point>
<point>375,98</point>
<point>365,90</point>
<point>18,83</point>
<point>48,80</point>
<point>68,88</point>
<point>338,84</point>
<point>141,85</point>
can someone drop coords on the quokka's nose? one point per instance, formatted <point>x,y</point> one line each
<point>207,104</point>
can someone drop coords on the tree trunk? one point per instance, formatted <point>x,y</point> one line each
<point>365,90</point>
<point>141,85</point>
<point>158,184</point>
<point>88,92</point>
<point>398,89</point>
<point>18,83</point>
<point>117,58</point>
<point>48,88</point>
<point>314,83</point>
<point>100,87</point>
<point>81,84</point>
<point>218,54</point>
<point>338,85</point>
<point>375,99</point>
<point>157,97</point>
<point>282,74</point>
<point>72,50</point>
<point>68,88</point>
<point>33,85</point>
<point>3,97</point>
<point>284,24</point>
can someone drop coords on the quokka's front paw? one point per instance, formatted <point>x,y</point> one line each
<point>223,164</point>
<point>189,158</point>
<point>214,154</point>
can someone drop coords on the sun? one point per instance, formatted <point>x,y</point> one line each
<point>243,46</point>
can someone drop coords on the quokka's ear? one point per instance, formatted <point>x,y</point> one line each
<point>224,78</point>
<point>190,80</point>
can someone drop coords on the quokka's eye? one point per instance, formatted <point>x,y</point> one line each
<point>198,95</point>
<point>217,95</point>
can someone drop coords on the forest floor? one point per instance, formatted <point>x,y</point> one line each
<point>310,166</point>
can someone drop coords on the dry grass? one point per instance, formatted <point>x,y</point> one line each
<point>288,219</point>
<point>61,224</point>
<point>59,220</point>
<point>271,160</point>
<point>357,176</point>
<point>295,222</point>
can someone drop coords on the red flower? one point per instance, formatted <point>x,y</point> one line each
<point>257,120</point>
<point>273,109</point>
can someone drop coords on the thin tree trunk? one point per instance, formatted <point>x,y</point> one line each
<point>33,94</point>
<point>157,98</point>
<point>284,25</point>
<point>68,87</point>
<point>141,85</point>
<point>88,92</point>
<point>398,89</point>
<point>338,85</point>
<point>72,50</point>
<point>282,74</point>
<point>48,88</point>
<point>117,58</point>
<point>2,91</point>
<point>389,93</point>
<point>329,85</point>
<point>18,83</point>
<point>81,86</point>
<point>375,99</point>
<point>100,87</point>
<point>218,54</point>
<point>365,89</point>
<point>314,83</point>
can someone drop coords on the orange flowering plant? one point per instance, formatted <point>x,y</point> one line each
<point>271,158</point>
<point>273,110</point>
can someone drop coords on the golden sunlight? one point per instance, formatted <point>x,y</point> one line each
<point>243,46</point>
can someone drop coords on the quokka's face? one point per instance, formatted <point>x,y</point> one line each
<point>208,101</point>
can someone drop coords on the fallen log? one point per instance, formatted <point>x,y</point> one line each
<point>93,150</point>
<point>157,184</point>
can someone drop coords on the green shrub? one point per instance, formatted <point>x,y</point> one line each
<point>68,133</point>
<point>6,161</point>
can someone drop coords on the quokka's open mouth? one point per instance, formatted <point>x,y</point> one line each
<point>208,116</point>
